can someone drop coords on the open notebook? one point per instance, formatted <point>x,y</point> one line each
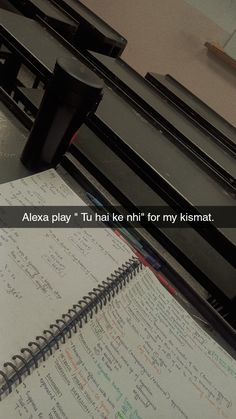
<point>94,332</point>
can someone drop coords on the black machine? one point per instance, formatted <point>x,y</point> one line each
<point>148,143</point>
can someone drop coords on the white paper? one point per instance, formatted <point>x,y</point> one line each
<point>44,272</point>
<point>142,356</point>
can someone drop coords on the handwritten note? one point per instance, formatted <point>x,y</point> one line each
<point>142,356</point>
<point>44,272</point>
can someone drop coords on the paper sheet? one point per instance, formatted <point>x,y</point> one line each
<point>44,272</point>
<point>142,356</point>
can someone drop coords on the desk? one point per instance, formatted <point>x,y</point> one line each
<point>112,170</point>
<point>181,182</point>
<point>195,108</point>
<point>154,156</point>
<point>15,134</point>
<point>217,153</point>
<point>199,146</point>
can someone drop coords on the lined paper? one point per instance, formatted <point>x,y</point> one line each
<point>142,356</point>
<point>43,272</point>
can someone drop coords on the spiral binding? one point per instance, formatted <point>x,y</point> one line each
<point>63,328</point>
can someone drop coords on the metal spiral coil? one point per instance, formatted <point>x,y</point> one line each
<point>63,328</point>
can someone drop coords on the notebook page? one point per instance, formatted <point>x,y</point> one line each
<point>142,356</point>
<point>43,272</point>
